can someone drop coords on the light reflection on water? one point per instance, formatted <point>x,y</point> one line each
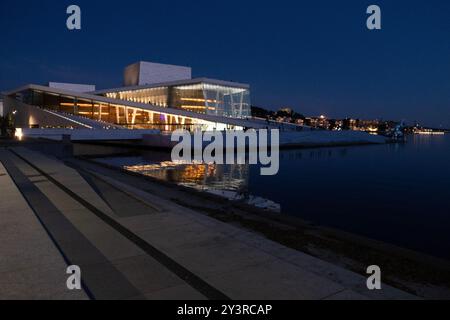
<point>229,181</point>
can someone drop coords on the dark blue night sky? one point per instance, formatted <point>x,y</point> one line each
<point>315,56</point>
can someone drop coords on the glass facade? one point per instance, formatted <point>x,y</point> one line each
<point>155,96</point>
<point>202,98</point>
<point>212,99</point>
<point>118,114</point>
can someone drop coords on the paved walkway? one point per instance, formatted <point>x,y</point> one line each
<point>131,244</point>
<point>31,266</point>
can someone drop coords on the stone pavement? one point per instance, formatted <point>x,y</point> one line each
<point>31,266</point>
<point>131,244</point>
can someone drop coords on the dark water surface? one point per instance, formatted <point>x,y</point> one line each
<point>397,193</point>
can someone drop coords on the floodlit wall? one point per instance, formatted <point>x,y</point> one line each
<point>142,73</point>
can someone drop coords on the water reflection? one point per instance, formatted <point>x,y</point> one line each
<point>300,154</point>
<point>229,181</point>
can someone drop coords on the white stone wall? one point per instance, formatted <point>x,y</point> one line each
<point>142,73</point>
<point>131,75</point>
<point>1,108</point>
<point>72,86</point>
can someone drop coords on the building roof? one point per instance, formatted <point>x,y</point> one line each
<point>79,87</point>
<point>159,63</point>
<point>176,83</point>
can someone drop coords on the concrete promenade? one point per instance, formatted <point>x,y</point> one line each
<point>31,266</point>
<point>131,244</point>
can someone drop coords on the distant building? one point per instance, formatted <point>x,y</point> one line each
<point>349,124</point>
<point>300,122</point>
<point>337,124</point>
<point>1,106</point>
<point>317,122</point>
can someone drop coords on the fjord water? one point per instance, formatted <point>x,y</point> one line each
<point>396,193</point>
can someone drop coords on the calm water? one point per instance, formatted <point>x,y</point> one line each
<point>395,193</point>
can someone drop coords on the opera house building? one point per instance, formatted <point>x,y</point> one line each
<point>154,96</point>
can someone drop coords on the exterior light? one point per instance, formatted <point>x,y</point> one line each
<point>19,134</point>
